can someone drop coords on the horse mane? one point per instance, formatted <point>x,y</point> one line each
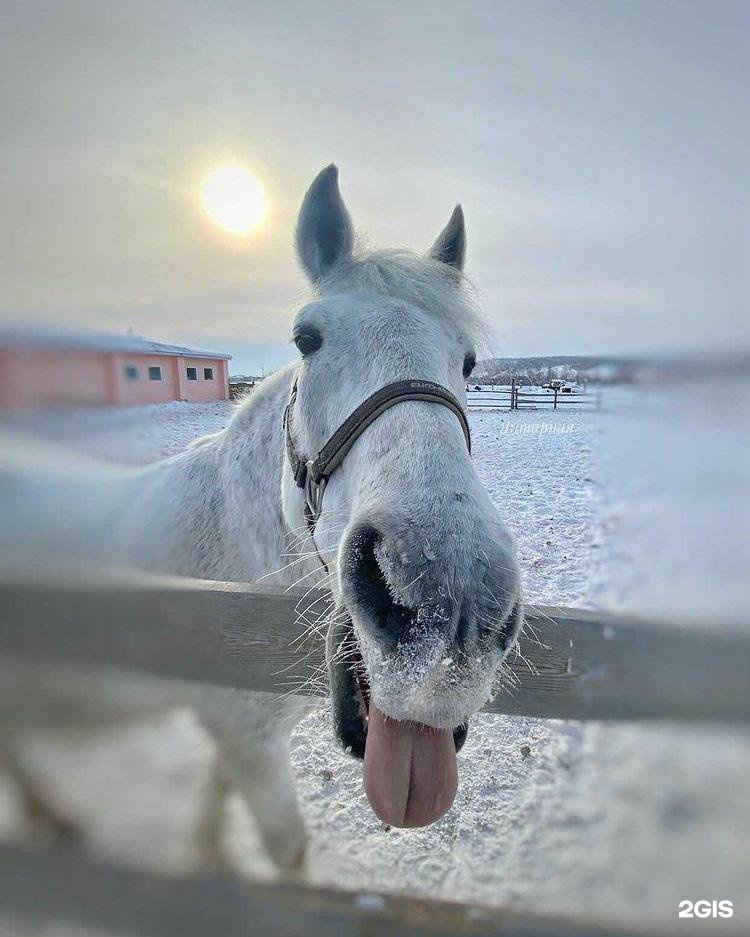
<point>440,290</point>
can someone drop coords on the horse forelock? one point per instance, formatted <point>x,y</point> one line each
<point>433,286</point>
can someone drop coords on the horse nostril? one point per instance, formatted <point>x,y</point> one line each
<point>369,589</point>
<point>365,572</point>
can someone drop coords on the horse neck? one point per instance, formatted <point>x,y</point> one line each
<point>258,539</point>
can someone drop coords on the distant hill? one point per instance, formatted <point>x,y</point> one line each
<point>539,370</point>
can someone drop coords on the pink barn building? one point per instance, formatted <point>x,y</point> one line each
<point>45,369</point>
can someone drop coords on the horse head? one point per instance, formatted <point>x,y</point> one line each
<point>422,569</point>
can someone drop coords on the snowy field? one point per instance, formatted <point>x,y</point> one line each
<point>639,507</point>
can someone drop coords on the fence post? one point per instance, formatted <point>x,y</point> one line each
<point>555,406</point>
<point>513,394</point>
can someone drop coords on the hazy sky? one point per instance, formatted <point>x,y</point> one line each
<point>600,151</point>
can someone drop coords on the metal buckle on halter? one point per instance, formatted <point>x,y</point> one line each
<point>314,491</point>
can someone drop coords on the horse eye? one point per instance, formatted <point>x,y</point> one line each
<point>308,342</point>
<point>469,363</point>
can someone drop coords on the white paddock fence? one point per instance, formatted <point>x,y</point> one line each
<point>576,665</point>
<point>514,397</point>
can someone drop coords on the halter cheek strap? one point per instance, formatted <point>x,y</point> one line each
<point>312,475</point>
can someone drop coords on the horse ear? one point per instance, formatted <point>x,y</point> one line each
<point>450,246</point>
<point>324,229</point>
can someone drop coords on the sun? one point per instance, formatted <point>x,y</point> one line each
<point>234,198</point>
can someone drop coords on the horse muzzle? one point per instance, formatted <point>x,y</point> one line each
<point>410,773</point>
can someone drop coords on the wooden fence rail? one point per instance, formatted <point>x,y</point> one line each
<point>70,888</point>
<point>575,664</point>
<point>489,400</point>
<point>516,399</point>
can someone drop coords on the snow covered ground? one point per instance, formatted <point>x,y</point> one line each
<point>640,507</point>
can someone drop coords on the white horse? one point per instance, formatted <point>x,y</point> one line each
<point>422,572</point>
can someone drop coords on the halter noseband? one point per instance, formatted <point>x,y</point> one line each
<point>312,475</point>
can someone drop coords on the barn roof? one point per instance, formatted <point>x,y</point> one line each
<point>89,340</point>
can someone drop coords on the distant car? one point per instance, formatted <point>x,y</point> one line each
<point>558,384</point>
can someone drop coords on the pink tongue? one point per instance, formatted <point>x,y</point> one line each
<point>410,770</point>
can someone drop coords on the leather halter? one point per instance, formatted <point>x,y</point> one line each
<point>312,474</point>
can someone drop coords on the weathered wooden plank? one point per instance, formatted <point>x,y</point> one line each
<point>575,665</point>
<point>69,888</point>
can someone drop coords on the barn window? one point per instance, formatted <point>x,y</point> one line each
<point>154,374</point>
<point>192,374</point>
<point>131,372</point>
<point>208,374</point>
